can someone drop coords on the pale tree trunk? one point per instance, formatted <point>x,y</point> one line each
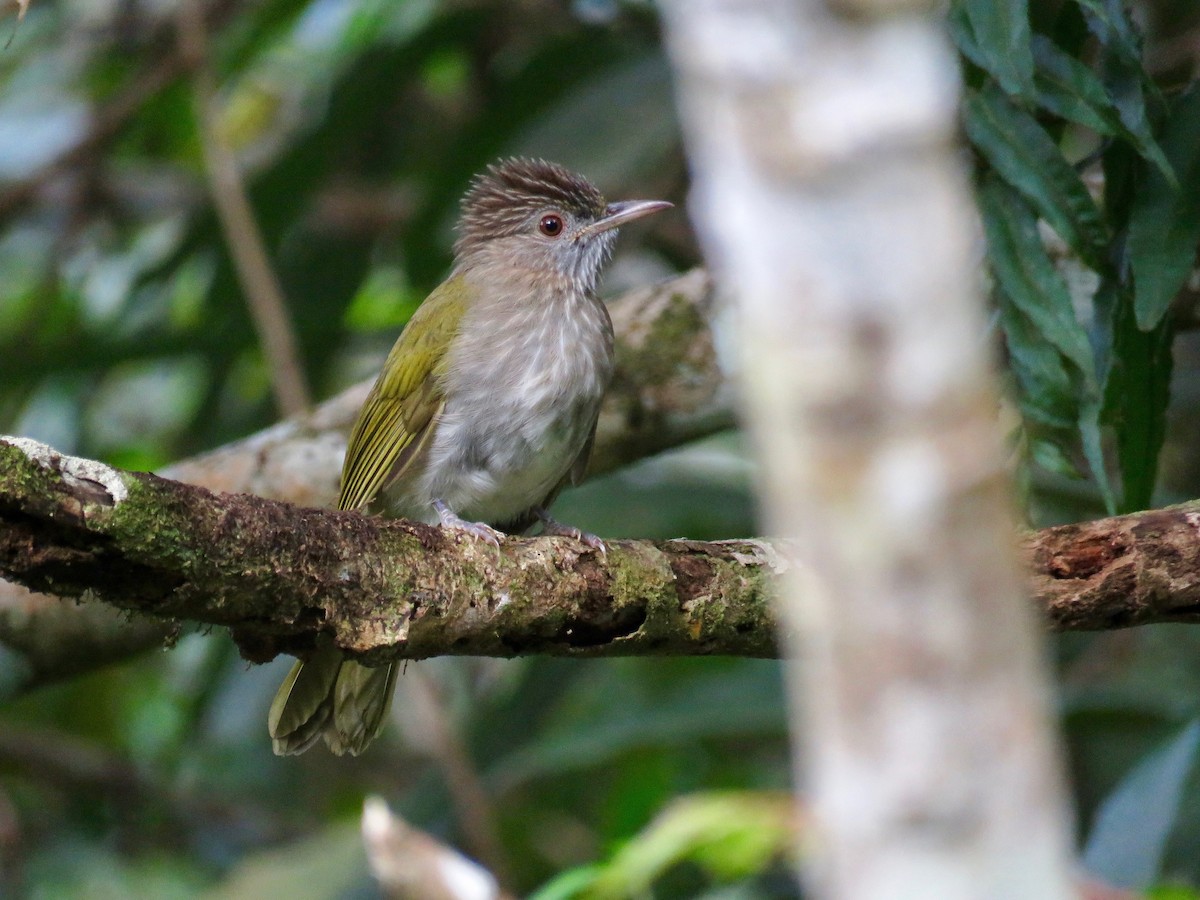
<point>832,202</point>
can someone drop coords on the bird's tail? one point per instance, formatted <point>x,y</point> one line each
<point>332,697</point>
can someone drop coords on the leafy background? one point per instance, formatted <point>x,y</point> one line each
<point>124,335</point>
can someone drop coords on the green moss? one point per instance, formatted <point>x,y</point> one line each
<point>147,519</point>
<point>640,575</point>
<point>736,609</point>
<point>664,350</point>
<point>22,477</point>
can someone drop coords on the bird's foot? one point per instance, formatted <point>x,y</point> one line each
<point>552,526</point>
<point>478,530</point>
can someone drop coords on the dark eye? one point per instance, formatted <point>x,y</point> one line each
<point>551,225</point>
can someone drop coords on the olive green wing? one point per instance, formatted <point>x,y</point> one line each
<point>401,411</point>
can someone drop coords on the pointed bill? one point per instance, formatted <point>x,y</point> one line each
<point>624,211</point>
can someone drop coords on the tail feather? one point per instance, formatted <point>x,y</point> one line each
<point>361,700</point>
<point>332,697</point>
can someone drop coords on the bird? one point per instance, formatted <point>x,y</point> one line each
<point>484,410</point>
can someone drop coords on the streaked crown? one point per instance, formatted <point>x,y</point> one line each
<point>502,200</point>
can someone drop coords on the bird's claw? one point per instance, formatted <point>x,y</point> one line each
<point>594,541</point>
<point>552,526</point>
<point>478,530</point>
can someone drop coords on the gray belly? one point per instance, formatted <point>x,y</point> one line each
<point>522,390</point>
<point>492,463</point>
<point>499,449</point>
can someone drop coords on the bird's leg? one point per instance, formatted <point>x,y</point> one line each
<point>550,525</point>
<point>478,530</point>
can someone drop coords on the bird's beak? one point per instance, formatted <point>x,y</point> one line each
<point>617,214</point>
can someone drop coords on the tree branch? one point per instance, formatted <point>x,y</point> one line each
<point>243,238</point>
<point>1129,570</point>
<point>829,193</point>
<point>281,576</point>
<point>411,864</point>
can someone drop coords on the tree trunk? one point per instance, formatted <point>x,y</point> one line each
<point>833,206</point>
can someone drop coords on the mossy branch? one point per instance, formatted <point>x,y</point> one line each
<point>280,576</point>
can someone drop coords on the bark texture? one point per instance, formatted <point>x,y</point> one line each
<point>1122,571</point>
<point>281,576</point>
<point>831,203</point>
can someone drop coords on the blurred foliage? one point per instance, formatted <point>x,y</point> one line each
<point>730,835</point>
<point>1075,135</point>
<point>1128,840</point>
<point>124,335</point>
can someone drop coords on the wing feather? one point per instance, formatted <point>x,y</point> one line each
<point>402,410</point>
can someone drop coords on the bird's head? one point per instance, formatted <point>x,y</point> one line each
<point>535,216</point>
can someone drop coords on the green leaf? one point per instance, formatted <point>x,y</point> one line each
<point>1049,456</point>
<point>1021,151</point>
<point>385,301</point>
<point>1134,365</point>
<point>1134,822</point>
<point>1041,310</point>
<point>729,834</point>
<point>1001,33</point>
<point>1070,89</point>
<point>1045,392</point>
<point>570,884</point>
<point>1172,892</point>
<point>1141,382</point>
<point>962,33</point>
<point>1091,411</point>
<point>1028,276</point>
<point>1108,20</point>
<point>1164,226</point>
<point>1132,90</point>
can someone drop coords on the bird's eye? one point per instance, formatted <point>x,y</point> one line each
<point>551,225</point>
